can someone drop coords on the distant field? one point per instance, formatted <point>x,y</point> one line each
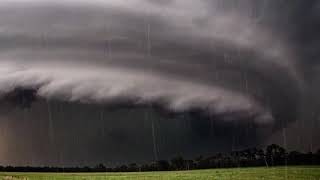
<point>290,173</point>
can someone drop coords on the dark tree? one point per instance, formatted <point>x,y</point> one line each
<point>276,155</point>
<point>163,165</point>
<point>178,163</point>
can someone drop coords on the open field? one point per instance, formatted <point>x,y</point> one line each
<point>290,173</point>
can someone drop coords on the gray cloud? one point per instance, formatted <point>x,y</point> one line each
<point>235,63</point>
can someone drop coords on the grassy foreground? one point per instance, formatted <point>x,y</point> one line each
<point>290,173</point>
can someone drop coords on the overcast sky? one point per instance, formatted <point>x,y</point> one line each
<point>84,82</point>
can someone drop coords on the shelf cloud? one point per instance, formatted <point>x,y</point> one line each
<point>231,62</point>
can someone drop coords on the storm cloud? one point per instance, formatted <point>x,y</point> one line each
<point>236,65</point>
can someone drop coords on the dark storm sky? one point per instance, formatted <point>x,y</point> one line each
<point>122,81</point>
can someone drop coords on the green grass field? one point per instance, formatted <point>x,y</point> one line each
<point>290,173</point>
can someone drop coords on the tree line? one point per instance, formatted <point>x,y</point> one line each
<point>272,155</point>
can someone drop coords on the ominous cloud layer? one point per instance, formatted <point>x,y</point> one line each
<point>165,77</point>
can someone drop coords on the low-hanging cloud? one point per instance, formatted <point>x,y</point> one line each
<point>110,85</point>
<point>139,55</point>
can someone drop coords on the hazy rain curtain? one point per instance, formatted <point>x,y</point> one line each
<point>121,81</point>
